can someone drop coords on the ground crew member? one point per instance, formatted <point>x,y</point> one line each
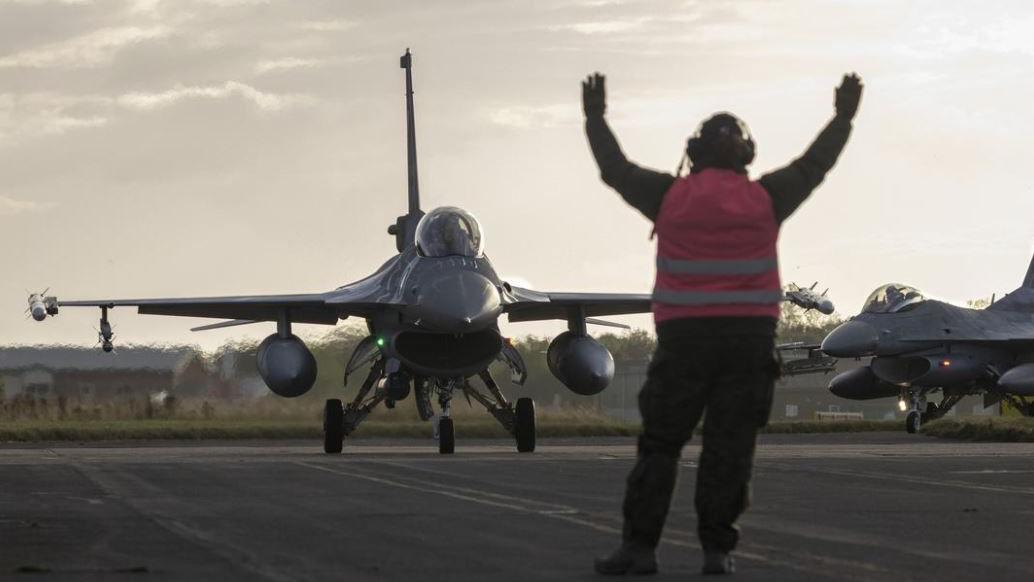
<point>716,304</point>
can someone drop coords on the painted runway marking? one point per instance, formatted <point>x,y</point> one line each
<point>992,472</point>
<point>904,479</point>
<point>115,485</point>
<point>845,569</point>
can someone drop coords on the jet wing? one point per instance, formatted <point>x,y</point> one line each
<point>988,338</point>
<point>527,305</point>
<point>304,308</point>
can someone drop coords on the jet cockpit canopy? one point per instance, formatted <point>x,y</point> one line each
<point>449,231</point>
<point>892,298</point>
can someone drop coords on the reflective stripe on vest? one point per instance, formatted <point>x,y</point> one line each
<point>716,297</point>
<point>725,267</point>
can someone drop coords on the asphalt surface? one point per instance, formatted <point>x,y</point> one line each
<point>826,507</point>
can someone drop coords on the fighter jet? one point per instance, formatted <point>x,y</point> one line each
<point>920,346</point>
<point>432,311</point>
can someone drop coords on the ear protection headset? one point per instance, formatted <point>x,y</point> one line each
<point>721,140</point>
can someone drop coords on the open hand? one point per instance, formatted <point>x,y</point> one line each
<point>849,93</point>
<point>594,95</point>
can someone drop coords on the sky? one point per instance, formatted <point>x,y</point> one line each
<point>160,148</point>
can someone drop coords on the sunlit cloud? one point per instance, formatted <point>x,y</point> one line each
<point>89,50</point>
<point>12,206</point>
<point>524,117</point>
<point>286,64</point>
<point>326,25</point>
<point>37,2</point>
<point>602,26</point>
<point>263,100</point>
<point>48,114</point>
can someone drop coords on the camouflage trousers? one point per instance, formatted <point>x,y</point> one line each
<point>726,380</point>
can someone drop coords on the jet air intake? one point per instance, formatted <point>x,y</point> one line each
<point>286,365</point>
<point>861,384</point>
<point>580,363</point>
<point>932,370</point>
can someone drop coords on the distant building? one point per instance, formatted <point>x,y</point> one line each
<point>88,375</point>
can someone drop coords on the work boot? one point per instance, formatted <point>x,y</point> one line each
<point>628,559</point>
<point>716,562</point>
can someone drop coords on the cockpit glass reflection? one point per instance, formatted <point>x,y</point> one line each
<point>448,232</point>
<point>892,298</point>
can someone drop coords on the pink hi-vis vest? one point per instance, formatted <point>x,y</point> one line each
<point>716,249</point>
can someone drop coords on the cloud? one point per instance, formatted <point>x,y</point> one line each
<point>524,117</point>
<point>602,26</point>
<point>326,25</point>
<point>47,114</point>
<point>11,206</point>
<point>262,100</point>
<point>36,2</point>
<point>89,50</point>
<point>287,63</point>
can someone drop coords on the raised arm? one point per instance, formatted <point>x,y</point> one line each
<point>644,189</point>
<point>790,186</point>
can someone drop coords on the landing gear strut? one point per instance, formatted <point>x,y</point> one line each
<point>913,421</point>
<point>339,422</point>
<point>446,427</point>
<point>518,420</point>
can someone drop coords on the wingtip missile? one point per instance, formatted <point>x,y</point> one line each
<point>807,298</point>
<point>41,305</point>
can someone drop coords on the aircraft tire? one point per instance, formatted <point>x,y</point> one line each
<point>913,422</point>
<point>333,426</point>
<point>446,436</point>
<point>524,425</point>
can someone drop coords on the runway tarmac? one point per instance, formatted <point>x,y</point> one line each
<point>826,507</point>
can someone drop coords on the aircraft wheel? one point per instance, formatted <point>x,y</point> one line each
<point>446,436</point>
<point>333,426</point>
<point>524,425</point>
<point>913,422</point>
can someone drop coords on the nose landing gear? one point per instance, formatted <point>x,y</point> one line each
<point>917,402</point>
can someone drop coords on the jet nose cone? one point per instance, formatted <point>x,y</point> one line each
<point>851,339</point>
<point>459,302</point>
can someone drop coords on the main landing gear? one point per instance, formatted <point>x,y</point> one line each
<point>518,418</point>
<point>524,425</point>
<point>333,426</point>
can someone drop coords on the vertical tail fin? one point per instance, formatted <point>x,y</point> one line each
<point>406,62</point>
<point>1021,299</point>
<point>1028,281</point>
<point>404,228</point>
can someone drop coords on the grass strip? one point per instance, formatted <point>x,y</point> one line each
<point>1008,429</point>
<point>827,426</point>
